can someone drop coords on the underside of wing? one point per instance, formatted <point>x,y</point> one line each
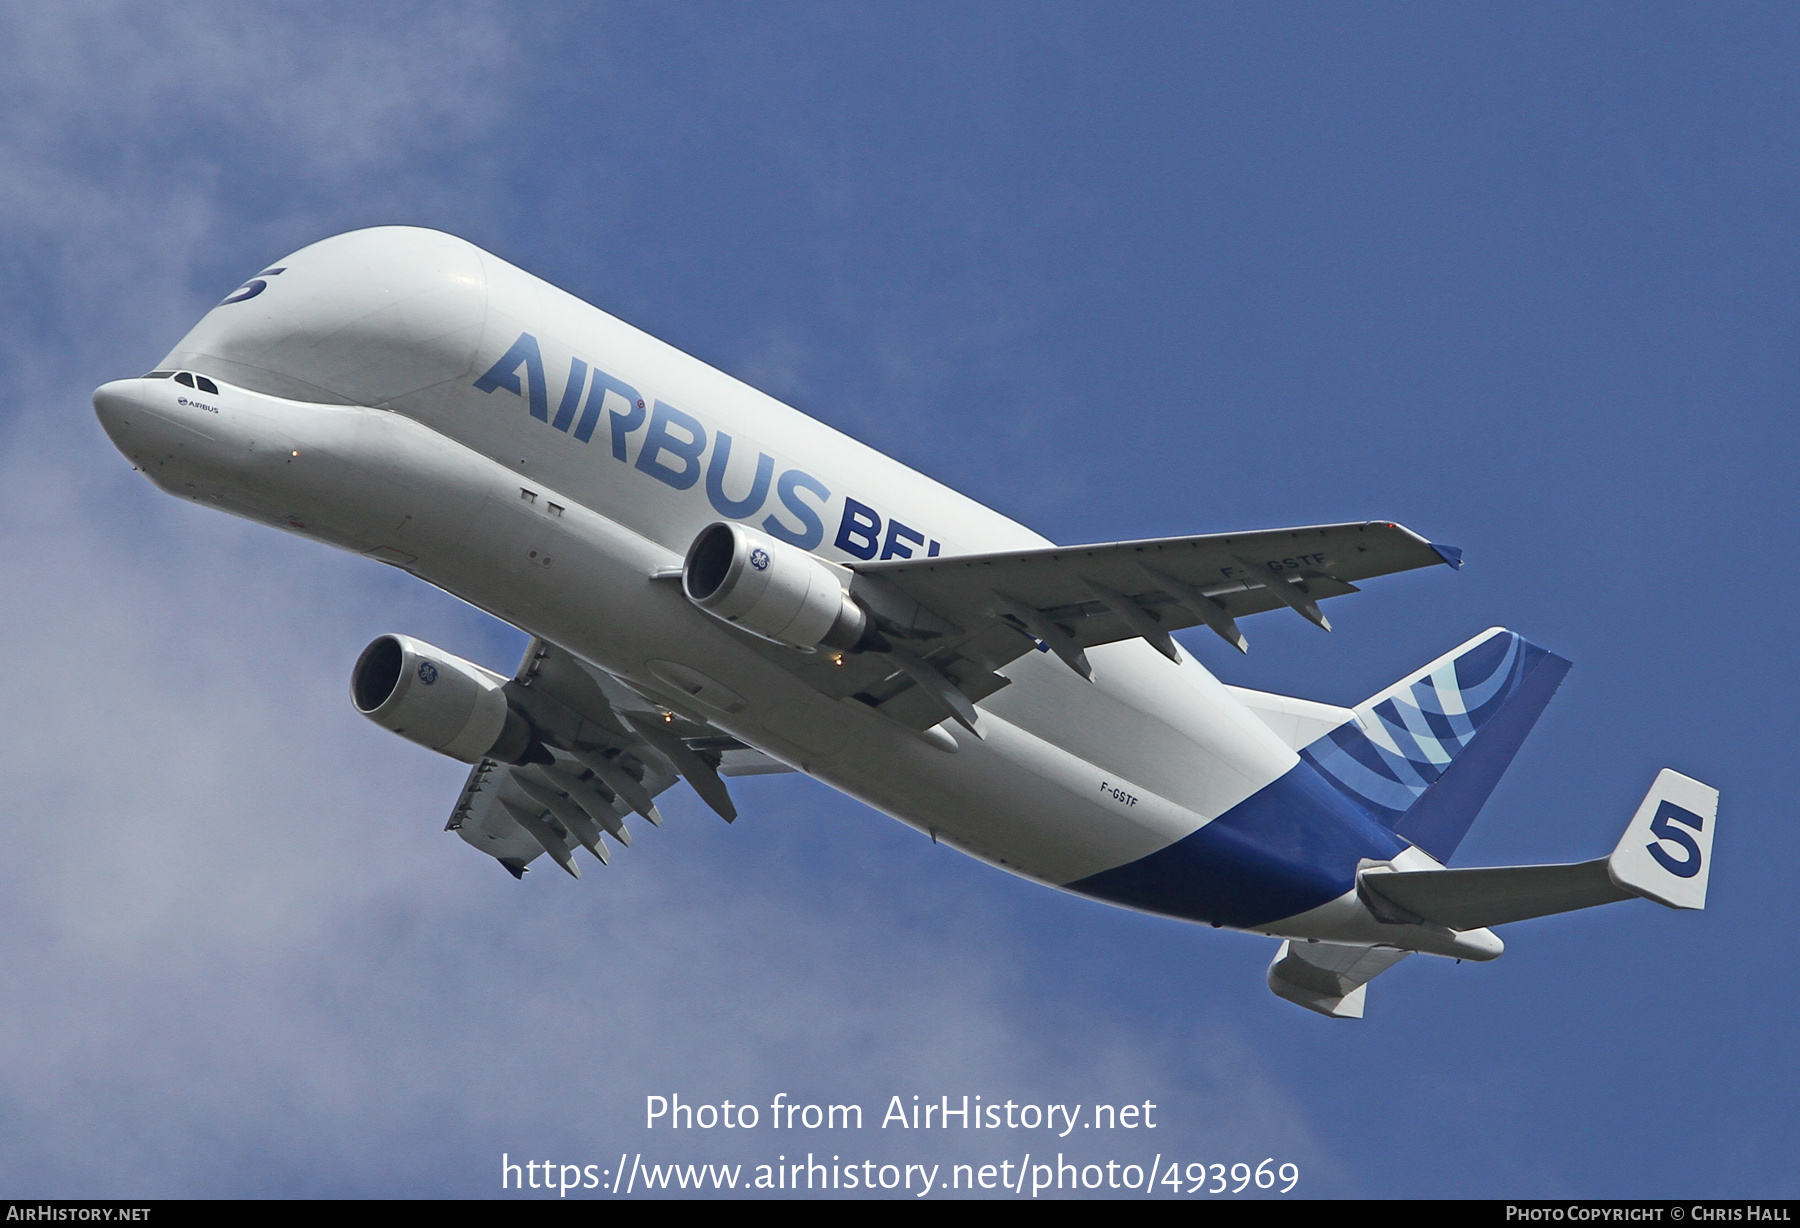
<point>611,751</point>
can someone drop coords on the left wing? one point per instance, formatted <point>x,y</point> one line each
<point>611,751</point>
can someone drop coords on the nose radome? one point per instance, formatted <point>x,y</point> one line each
<point>113,405</point>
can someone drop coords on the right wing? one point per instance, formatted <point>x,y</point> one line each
<point>952,622</point>
<point>1105,592</point>
<point>948,624</point>
<point>613,752</point>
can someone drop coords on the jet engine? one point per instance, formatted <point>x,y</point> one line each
<point>771,589</point>
<point>428,696</point>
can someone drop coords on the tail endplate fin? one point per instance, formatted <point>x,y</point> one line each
<point>1666,853</point>
<point>1424,755</point>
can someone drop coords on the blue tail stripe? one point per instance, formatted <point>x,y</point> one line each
<point>1500,686</point>
<point>1418,726</point>
<point>1483,674</point>
<point>1442,729</point>
<point>1384,797</point>
<point>1346,754</point>
<point>1461,725</point>
<point>1296,843</point>
<point>1411,764</point>
<point>1442,816</point>
<point>1406,769</point>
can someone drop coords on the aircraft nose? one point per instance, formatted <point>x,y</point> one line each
<point>138,426</point>
<point>116,404</point>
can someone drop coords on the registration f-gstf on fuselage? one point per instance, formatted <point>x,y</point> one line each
<point>718,584</point>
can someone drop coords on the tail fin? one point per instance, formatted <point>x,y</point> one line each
<point>1645,867</point>
<point>1329,977</point>
<point>1424,755</point>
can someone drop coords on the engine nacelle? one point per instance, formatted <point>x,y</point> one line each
<point>428,696</point>
<point>771,589</point>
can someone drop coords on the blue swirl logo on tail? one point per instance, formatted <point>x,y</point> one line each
<point>1405,739</point>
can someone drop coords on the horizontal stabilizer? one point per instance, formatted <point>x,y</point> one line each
<point>1677,814</point>
<point>1329,977</point>
<point>1476,899</point>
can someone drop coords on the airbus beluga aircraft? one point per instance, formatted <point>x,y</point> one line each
<point>717,585</point>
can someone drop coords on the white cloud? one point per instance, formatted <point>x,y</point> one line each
<point>237,953</point>
<point>143,140</point>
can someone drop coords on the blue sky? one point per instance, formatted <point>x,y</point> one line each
<point>1521,277</point>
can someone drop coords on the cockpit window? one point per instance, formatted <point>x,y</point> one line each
<point>159,375</point>
<point>182,377</point>
<point>206,385</point>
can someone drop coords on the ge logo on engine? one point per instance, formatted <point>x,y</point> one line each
<point>427,672</point>
<point>759,559</point>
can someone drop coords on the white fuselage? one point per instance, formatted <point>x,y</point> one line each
<point>351,410</point>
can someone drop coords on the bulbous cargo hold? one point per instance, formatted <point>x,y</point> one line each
<point>771,589</point>
<point>438,700</point>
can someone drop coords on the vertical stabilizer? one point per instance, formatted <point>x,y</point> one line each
<point>1424,754</point>
<point>1329,977</point>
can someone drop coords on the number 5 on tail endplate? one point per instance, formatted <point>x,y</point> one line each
<point>1662,828</point>
<point>1666,852</point>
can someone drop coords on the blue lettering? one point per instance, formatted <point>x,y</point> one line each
<point>681,437</point>
<point>812,530</point>
<point>658,441</point>
<point>859,533</point>
<point>1662,827</point>
<point>571,397</point>
<point>606,389</point>
<point>505,374</point>
<point>715,480</point>
<point>249,289</point>
<point>897,537</point>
